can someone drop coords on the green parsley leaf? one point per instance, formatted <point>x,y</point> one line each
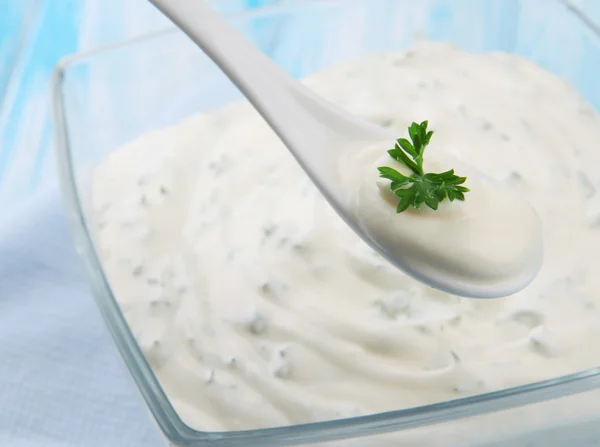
<point>420,188</point>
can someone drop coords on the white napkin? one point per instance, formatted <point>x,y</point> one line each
<point>62,382</point>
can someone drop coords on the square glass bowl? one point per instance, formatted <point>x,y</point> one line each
<point>110,96</point>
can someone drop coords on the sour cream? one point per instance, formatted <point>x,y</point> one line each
<point>256,305</point>
<point>488,246</point>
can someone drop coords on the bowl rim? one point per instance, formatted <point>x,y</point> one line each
<point>142,374</point>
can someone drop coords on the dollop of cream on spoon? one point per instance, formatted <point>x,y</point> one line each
<point>489,244</point>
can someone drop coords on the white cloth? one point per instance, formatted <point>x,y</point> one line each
<point>62,382</point>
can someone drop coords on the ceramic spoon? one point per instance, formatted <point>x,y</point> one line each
<point>487,246</point>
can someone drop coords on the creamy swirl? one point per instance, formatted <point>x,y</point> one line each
<point>256,306</point>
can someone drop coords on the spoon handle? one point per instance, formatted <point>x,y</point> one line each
<point>300,117</point>
<point>268,87</point>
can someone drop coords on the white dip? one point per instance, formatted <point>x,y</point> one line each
<point>257,306</point>
<point>487,246</point>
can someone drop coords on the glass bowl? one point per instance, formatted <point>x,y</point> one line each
<point>107,97</point>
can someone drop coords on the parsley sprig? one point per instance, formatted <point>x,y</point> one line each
<point>420,188</point>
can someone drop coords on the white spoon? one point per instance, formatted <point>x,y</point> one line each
<point>487,246</point>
